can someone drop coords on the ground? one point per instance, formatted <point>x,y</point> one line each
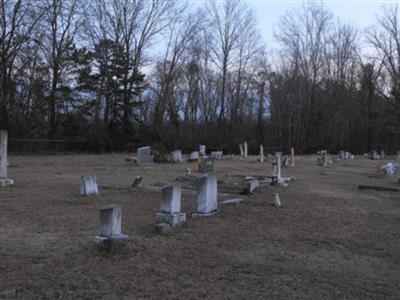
<point>328,241</point>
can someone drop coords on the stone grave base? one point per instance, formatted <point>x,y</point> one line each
<point>109,241</point>
<point>196,215</point>
<point>171,219</point>
<point>6,182</point>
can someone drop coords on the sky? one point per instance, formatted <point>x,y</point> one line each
<point>360,13</point>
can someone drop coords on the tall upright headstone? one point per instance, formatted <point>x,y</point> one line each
<point>4,181</point>
<point>110,225</point>
<point>194,156</point>
<point>262,153</point>
<point>245,149</point>
<point>89,185</point>
<point>202,149</point>
<point>170,211</point>
<point>276,170</point>
<point>325,158</point>
<point>241,150</point>
<point>292,156</point>
<point>143,156</point>
<point>207,196</point>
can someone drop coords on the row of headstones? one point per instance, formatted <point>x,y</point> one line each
<point>143,156</point>
<point>170,214</point>
<point>4,180</point>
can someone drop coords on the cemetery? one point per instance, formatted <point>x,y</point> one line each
<point>234,226</point>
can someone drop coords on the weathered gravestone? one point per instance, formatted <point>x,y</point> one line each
<point>383,155</point>
<point>276,169</point>
<point>388,169</point>
<point>143,157</point>
<point>277,200</point>
<point>251,186</point>
<point>206,199</point>
<point>194,156</point>
<point>262,156</point>
<point>176,156</point>
<point>206,165</point>
<point>292,157</point>
<point>110,226</point>
<point>245,149</point>
<point>4,181</point>
<point>202,149</point>
<point>89,185</point>
<point>170,212</point>
<point>241,150</point>
<point>216,154</point>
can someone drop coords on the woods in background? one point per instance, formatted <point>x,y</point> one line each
<point>122,73</point>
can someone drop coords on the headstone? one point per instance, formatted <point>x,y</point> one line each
<point>241,150</point>
<point>382,154</point>
<point>388,169</point>
<point>89,185</point>
<point>206,165</point>
<point>262,153</point>
<point>245,149</point>
<point>342,155</point>
<point>202,149</point>
<point>110,225</point>
<point>194,156</point>
<point>4,181</point>
<point>207,195</point>
<point>188,172</point>
<point>216,154</point>
<point>276,168</point>
<point>292,157</point>
<point>176,156</point>
<point>277,200</point>
<point>143,157</point>
<point>251,186</point>
<point>170,212</point>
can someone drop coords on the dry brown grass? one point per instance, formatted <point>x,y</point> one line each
<point>329,241</point>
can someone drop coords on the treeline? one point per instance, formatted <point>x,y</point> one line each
<point>116,74</point>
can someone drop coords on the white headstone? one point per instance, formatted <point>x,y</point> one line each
<point>176,156</point>
<point>261,153</point>
<point>277,200</point>
<point>292,156</point>
<point>216,154</point>
<point>241,150</point>
<point>110,220</point>
<point>276,171</point>
<point>171,199</point>
<point>4,181</point>
<point>89,185</point>
<point>245,149</point>
<point>202,149</point>
<point>3,154</point>
<point>143,156</point>
<point>194,156</point>
<point>207,195</point>
<point>388,169</point>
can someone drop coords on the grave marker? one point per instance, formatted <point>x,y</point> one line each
<point>143,157</point>
<point>4,181</point>
<point>292,156</point>
<point>170,211</point>
<point>241,150</point>
<point>207,196</point>
<point>202,149</point>
<point>262,153</point>
<point>176,156</point>
<point>110,225</point>
<point>89,185</point>
<point>245,149</point>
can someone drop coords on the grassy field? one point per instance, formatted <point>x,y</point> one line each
<point>328,241</point>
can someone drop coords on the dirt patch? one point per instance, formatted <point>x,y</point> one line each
<point>328,241</point>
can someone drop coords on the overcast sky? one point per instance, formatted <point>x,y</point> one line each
<point>360,13</point>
